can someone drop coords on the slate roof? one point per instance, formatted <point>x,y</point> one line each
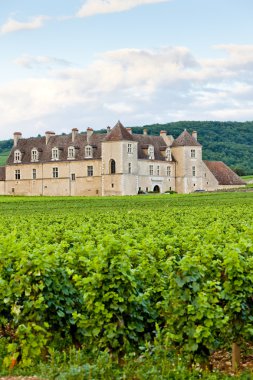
<point>2,173</point>
<point>119,133</point>
<point>61,142</point>
<point>185,139</point>
<point>146,140</point>
<point>223,174</point>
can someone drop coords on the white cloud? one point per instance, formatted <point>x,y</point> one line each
<point>92,7</point>
<point>30,62</point>
<point>12,25</point>
<point>136,86</point>
<point>120,108</point>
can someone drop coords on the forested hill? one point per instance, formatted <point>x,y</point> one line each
<point>230,142</point>
<point>5,147</point>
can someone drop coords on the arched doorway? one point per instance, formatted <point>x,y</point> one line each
<point>156,189</point>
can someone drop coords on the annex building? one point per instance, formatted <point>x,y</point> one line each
<point>118,162</point>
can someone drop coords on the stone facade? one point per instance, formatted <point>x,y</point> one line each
<point>116,163</point>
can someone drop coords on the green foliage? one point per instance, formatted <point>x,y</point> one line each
<point>115,313</point>
<point>125,275</point>
<point>6,145</point>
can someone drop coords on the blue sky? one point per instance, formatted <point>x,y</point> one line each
<point>78,63</point>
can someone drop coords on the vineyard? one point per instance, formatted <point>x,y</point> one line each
<point>167,278</point>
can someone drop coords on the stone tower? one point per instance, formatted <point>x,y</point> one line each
<point>187,152</point>
<point>119,162</point>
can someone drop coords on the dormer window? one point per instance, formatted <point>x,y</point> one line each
<point>168,154</point>
<point>71,153</point>
<point>55,154</point>
<point>151,152</point>
<point>17,156</point>
<point>34,155</point>
<point>88,151</point>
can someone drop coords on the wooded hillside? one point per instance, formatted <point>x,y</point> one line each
<point>230,142</point>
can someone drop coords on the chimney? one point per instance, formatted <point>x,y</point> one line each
<point>48,135</point>
<point>16,137</point>
<point>145,131</point>
<point>89,134</point>
<point>163,134</point>
<point>108,129</point>
<point>74,134</point>
<point>195,135</point>
<point>129,129</point>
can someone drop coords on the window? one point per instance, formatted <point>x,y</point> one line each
<point>168,154</point>
<point>151,170</point>
<point>17,174</point>
<point>55,154</point>
<point>55,173</point>
<point>129,168</point>
<point>73,177</point>
<point>90,171</point>
<point>193,153</point>
<point>34,155</point>
<point>129,148</point>
<point>168,171</point>
<point>71,152</point>
<point>112,167</point>
<point>151,154</point>
<point>34,174</point>
<point>17,156</point>
<point>88,151</point>
<point>194,171</point>
<point>158,170</point>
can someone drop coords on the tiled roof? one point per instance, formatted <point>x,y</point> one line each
<point>119,133</point>
<point>61,142</point>
<point>2,173</point>
<point>223,174</point>
<point>146,140</point>
<point>185,139</point>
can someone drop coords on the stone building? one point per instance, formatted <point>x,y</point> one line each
<point>117,163</point>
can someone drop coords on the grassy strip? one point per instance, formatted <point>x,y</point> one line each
<point>158,364</point>
<point>247,177</point>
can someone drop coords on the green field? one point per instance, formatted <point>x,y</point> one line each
<point>3,158</point>
<point>247,178</point>
<point>139,287</point>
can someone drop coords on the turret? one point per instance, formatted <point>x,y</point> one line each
<point>187,152</point>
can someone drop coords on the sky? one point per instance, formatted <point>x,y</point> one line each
<point>89,63</point>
